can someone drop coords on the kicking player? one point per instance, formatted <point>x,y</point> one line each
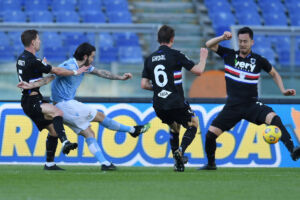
<point>242,71</point>
<point>78,115</point>
<point>162,74</point>
<point>43,114</point>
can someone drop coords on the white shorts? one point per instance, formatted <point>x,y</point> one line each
<point>77,115</point>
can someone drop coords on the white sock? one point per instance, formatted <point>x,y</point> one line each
<point>132,129</point>
<point>105,163</point>
<point>50,164</point>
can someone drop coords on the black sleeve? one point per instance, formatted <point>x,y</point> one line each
<point>266,65</point>
<point>145,73</point>
<point>184,61</point>
<point>223,51</point>
<point>40,66</point>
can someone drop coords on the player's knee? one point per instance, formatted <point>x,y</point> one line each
<point>211,136</point>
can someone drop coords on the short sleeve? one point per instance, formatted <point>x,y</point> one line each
<point>91,69</point>
<point>145,73</point>
<point>266,65</point>
<point>40,66</point>
<point>223,51</point>
<point>184,61</point>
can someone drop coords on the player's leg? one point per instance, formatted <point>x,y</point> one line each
<point>95,149</point>
<point>174,136</point>
<point>225,120</point>
<point>111,124</point>
<point>52,112</point>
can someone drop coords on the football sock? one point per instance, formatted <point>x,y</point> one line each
<point>188,137</point>
<point>114,125</point>
<point>174,141</point>
<point>51,144</point>
<point>59,128</point>
<point>210,147</point>
<point>95,150</point>
<point>285,136</point>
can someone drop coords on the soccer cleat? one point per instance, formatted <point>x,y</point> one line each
<point>179,165</point>
<point>140,129</point>
<point>110,167</point>
<point>208,167</point>
<point>296,153</point>
<point>54,167</point>
<point>185,159</point>
<point>68,147</point>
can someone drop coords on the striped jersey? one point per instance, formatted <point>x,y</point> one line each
<point>164,69</point>
<point>242,74</point>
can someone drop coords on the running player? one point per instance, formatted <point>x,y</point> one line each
<point>162,74</point>
<point>43,114</point>
<point>242,71</point>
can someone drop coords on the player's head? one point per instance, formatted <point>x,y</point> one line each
<point>165,35</point>
<point>85,53</point>
<point>30,38</point>
<point>245,36</point>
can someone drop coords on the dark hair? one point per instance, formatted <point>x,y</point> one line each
<point>82,50</point>
<point>246,30</point>
<point>28,36</point>
<point>165,34</point>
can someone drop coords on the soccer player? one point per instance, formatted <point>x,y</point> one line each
<point>78,115</point>
<point>242,71</point>
<point>43,114</point>
<point>162,74</point>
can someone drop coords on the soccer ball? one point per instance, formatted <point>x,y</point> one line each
<point>271,134</point>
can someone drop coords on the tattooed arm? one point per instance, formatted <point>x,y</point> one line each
<point>108,75</point>
<point>39,83</point>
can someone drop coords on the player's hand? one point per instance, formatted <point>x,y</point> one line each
<point>82,69</point>
<point>289,92</point>
<point>24,85</point>
<point>227,35</point>
<point>126,76</point>
<point>203,53</point>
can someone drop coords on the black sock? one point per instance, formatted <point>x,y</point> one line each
<point>51,144</point>
<point>188,137</point>
<point>285,136</point>
<point>210,147</point>
<point>59,128</point>
<point>174,141</point>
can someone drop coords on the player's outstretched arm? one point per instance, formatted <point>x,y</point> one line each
<point>108,75</point>
<point>199,68</point>
<point>64,72</point>
<point>39,83</point>
<point>213,43</point>
<point>146,84</point>
<point>278,80</point>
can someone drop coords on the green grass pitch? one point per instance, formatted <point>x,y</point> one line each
<point>25,182</point>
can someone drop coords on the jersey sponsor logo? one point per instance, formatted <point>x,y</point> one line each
<point>164,94</point>
<point>158,58</point>
<point>21,63</point>
<point>249,67</point>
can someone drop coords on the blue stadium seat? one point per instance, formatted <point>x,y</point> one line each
<point>75,38</point>
<point>64,5</point>
<point>248,18</point>
<point>108,54</point>
<point>40,16</point>
<point>6,54</point>
<point>249,5</point>
<point>36,5</point>
<point>126,39</point>
<point>67,17</point>
<point>297,61</point>
<point>14,16</point>
<point>284,56</point>
<point>10,5</point>
<point>116,5</point>
<point>275,19</point>
<point>119,17</point>
<point>268,53</point>
<point>55,53</point>
<point>271,6</point>
<point>130,54</point>
<point>226,43</point>
<point>261,41</point>
<point>50,39</point>
<point>222,21</point>
<point>93,17</point>
<point>106,40</point>
<point>4,39</point>
<point>219,6</point>
<point>90,5</point>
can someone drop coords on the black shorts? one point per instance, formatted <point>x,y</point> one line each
<point>179,115</point>
<point>254,112</point>
<point>32,108</point>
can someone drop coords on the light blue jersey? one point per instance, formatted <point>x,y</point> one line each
<point>64,88</point>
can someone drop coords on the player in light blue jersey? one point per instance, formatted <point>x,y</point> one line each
<point>78,115</point>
